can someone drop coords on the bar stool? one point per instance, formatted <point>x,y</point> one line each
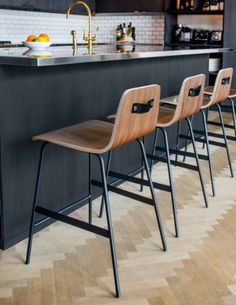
<point>136,118</point>
<point>187,103</point>
<point>232,95</point>
<point>220,93</point>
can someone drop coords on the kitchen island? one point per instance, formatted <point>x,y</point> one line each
<point>43,92</point>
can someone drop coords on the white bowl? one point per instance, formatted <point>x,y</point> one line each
<point>36,45</point>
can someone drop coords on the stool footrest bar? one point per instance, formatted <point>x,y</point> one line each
<point>214,123</point>
<point>124,193</point>
<point>139,181</point>
<point>221,136</point>
<point>231,138</point>
<point>203,141</point>
<point>72,221</point>
<point>175,163</point>
<point>70,207</point>
<point>216,135</point>
<point>225,108</point>
<point>219,124</point>
<point>183,153</point>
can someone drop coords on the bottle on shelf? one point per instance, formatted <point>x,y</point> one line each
<point>124,28</point>
<point>214,5</point>
<point>178,3</point>
<point>133,33</point>
<point>129,31</point>
<point>221,5</point>
<point>177,33</point>
<point>119,32</point>
<point>186,34</point>
<point>124,34</point>
<point>192,4</point>
<point>187,5</point>
<point>182,4</point>
<point>205,5</point>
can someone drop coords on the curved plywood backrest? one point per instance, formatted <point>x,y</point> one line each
<point>222,86</point>
<point>190,98</point>
<point>137,114</point>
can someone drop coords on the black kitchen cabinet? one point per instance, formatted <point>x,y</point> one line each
<point>124,6</point>
<point>229,36</point>
<point>53,6</point>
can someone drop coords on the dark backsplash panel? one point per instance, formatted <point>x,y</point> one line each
<point>53,6</point>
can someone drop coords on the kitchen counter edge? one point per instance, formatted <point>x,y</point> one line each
<point>70,59</point>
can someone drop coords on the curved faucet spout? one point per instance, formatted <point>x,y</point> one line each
<point>89,38</point>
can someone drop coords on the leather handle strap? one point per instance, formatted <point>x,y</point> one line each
<point>142,108</point>
<point>226,81</point>
<point>193,92</point>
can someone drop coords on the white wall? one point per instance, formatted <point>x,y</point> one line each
<point>17,25</point>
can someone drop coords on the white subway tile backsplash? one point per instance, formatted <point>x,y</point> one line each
<point>17,25</point>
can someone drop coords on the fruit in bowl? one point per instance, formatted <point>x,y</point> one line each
<point>40,42</point>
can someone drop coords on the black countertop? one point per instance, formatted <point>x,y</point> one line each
<point>63,55</point>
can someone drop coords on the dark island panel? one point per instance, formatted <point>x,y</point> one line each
<point>37,100</point>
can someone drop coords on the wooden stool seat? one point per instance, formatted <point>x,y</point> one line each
<point>165,116</point>
<point>206,102</point>
<point>209,90</point>
<point>172,100</point>
<point>232,93</point>
<point>91,136</point>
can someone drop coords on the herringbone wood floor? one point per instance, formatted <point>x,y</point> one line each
<point>72,267</point>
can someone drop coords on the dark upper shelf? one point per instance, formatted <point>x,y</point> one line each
<point>194,12</point>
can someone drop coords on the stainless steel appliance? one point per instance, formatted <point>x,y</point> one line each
<point>200,36</point>
<point>216,37</point>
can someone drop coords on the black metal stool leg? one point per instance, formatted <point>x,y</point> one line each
<point>107,172</point>
<point>156,207</point>
<point>208,150</point>
<point>172,191</point>
<point>90,217</point>
<point>109,224</point>
<point>31,231</point>
<point>197,161</point>
<point>153,150</point>
<point>233,114</point>
<point>206,116</point>
<point>225,139</point>
<point>177,140</point>
<point>186,141</point>
<point>142,170</point>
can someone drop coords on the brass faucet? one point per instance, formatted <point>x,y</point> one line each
<point>89,38</point>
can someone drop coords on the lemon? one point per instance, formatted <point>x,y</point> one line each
<point>42,39</point>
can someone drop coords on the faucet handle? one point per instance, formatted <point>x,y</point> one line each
<point>85,38</point>
<point>74,39</point>
<point>73,33</point>
<point>94,37</point>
